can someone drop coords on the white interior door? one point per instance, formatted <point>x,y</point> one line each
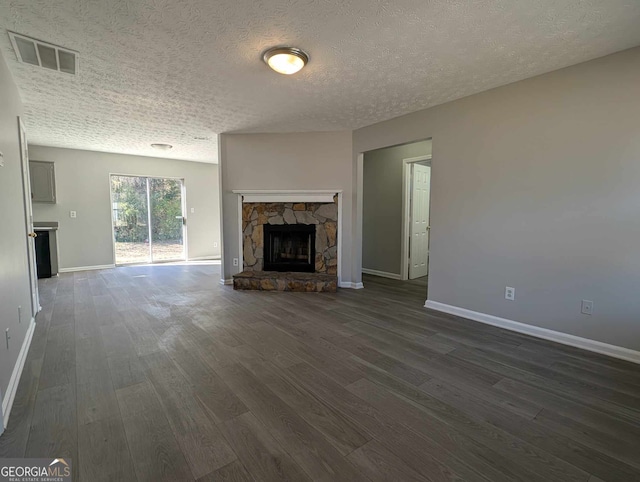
<point>28,211</point>
<point>419,243</point>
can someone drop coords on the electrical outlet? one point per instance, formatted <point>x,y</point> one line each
<point>509,293</point>
<point>73,214</point>
<point>587,307</point>
<point>215,244</point>
<point>236,262</point>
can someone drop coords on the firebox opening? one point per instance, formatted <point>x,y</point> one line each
<point>289,247</point>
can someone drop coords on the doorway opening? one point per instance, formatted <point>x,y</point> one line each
<point>148,220</point>
<point>396,192</point>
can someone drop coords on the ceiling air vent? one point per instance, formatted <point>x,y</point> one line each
<point>42,54</point>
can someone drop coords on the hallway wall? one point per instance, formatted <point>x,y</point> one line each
<point>14,272</point>
<point>535,186</point>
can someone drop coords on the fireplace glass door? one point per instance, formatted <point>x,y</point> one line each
<point>289,247</point>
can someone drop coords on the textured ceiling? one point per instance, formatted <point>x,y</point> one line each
<point>172,71</point>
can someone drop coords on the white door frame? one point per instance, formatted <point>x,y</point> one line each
<point>1,413</point>
<point>28,215</point>
<point>406,211</point>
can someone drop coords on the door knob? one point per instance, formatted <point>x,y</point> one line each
<point>32,235</point>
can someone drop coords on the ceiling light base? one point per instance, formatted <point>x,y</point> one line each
<point>162,147</point>
<point>285,60</point>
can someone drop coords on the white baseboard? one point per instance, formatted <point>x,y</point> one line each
<point>226,281</point>
<point>544,333</point>
<point>86,268</point>
<point>10,396</point>
<point>349,284</point>
<point>204,258</point>
<point>384,274</point>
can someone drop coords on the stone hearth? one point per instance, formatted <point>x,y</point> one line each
<point>287,281</point>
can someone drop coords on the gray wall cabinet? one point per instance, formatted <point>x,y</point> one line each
<point>43,182</point>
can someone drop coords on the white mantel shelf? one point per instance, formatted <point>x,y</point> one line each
<point>287,196</point>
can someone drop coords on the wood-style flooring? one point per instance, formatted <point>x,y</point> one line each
<point>158,373</point>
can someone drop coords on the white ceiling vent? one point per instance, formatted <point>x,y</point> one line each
<point>42,54</point>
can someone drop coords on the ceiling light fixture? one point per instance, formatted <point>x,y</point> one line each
<point>285,60</point>
<point>162,147</point>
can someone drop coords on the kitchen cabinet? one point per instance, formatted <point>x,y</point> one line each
<point>43,182</point>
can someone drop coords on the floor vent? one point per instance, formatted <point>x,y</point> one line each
<point>42,54</point>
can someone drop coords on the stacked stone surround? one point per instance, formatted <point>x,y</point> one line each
<point>323,215</point>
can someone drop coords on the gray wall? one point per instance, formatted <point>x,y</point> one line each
<point>82,185</point>
<point>316,160</point>
<point>382,205</point>
<point>14,278</point>
<point>535,185</point>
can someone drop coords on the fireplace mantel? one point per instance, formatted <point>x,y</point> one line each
<point>287,196</point>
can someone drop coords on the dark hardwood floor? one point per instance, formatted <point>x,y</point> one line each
<point>159,373</point>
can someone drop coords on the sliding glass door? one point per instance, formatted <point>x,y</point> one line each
<point>130,219</point>
<point>148,219</point>
<point>167,221</point>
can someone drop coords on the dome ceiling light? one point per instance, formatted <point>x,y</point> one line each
<point>162,147</point>
<point>285,60</point>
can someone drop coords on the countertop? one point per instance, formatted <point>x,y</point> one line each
<point>45,225</point>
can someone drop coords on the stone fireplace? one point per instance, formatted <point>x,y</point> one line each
<point>289,246</point>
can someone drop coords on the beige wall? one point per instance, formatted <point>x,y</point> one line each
<point>382,205</point>
<point>318,160</point>
<point>14,278</point>
<point>82,185</point>
<point>535,185</point>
